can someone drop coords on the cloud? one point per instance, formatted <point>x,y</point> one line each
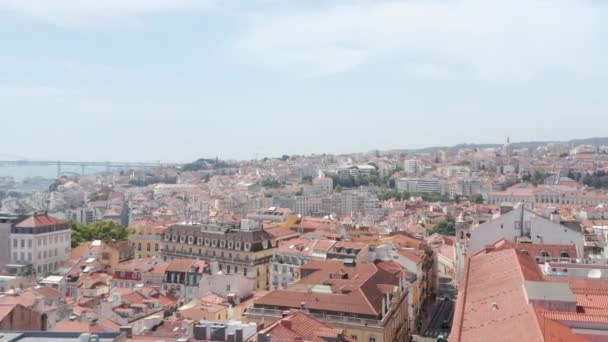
<point>98,13</point>
<point>492,40</point>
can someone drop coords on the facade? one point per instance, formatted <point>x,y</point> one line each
<point>150,272</point>
<point>182,277</point>
<point>426,185</point>
<point>411,166</point>
<point>41,241</point>
<point>547,194</point>
<point>146,241</point>
<point>290,255</point>
<point>241,248</point>
<point>368,303</point>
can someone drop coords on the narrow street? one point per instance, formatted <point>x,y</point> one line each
<point>443,310</point>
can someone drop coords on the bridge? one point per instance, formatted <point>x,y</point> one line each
<point>84,164</point>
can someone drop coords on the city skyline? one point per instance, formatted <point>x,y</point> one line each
<point>177,80</point>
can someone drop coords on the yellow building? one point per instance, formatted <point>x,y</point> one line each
<point>146,241</point>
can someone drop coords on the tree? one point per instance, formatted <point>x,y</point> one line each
<point>284,157</point>
<point>98,230</point>
<point>477,198</point>
<point>444,227</point>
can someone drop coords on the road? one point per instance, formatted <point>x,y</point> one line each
<point>443,310</point>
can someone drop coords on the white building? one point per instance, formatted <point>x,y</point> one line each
<point>411,166</point>
<point>41,241</point>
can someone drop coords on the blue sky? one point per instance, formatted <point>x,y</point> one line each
<point>174,80</point>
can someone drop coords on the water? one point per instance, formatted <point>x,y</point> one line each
<point>20,173</point>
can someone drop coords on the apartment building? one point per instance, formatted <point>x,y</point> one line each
<point>41,241</point>
<point>290,255</point>
<point>367,303</point>
<point>242,248</point>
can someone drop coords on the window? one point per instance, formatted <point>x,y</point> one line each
<point>22,256</point>
<point>15,256</point>
<point>564,254</point>
<point>156,247</point>
<point>148,247</point>
<point>228,287</point>
<point>238,245</point>
<point>544,254</point>
<point>222,243</point>
<point>44,254</point>
<point>29,243</point>
<point>15,243</point>
<point>372,339</point>
<point>22,243</point>
<point>354,337</point>
<point>139,246</point>
<point>245,271</point>
<point>524,251</point>
<point>228,269</point>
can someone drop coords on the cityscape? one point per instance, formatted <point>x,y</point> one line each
<point>303,171</point>
<point>442,244</point>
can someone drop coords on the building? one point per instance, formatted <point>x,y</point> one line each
<point>241,248</point>
<point>426,185</point>
<point>411,166</point>
<point>18,317</point>
<point>290,255</point>
<point>182,277</point>
<point>82,215</point>
<point>368,303</point>
<point>146,241</point>
<point>505,297</point>
<point>521,225</point>
<point>149,271</point>
<point>299,326</point>
<point>233,331</point>
<point>560,194</point>
<point>109,253</point>
<point>272,214</point>
<point>41,241</point>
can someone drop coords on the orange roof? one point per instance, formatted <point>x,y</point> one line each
<point>74,326</point>
<point>492,302</point>
<point>37,221</point>
<point>299,325</point>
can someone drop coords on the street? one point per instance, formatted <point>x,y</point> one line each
<point>443,310</point>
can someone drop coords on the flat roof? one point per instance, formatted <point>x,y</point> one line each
<point>550,291</point>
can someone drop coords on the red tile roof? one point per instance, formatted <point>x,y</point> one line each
<point>355,289</point>
<point>37,221</point>
<point>492,302</point>
<point>299,325</point>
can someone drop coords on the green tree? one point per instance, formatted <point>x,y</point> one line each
<point>477,199</point>
<point>445,227</point>
<point>98,230</point>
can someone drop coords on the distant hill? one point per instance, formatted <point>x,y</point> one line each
<point>516,145</point>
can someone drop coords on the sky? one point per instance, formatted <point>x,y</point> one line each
<point>175,80</point>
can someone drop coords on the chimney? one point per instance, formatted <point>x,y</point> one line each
<point>230,338</point>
